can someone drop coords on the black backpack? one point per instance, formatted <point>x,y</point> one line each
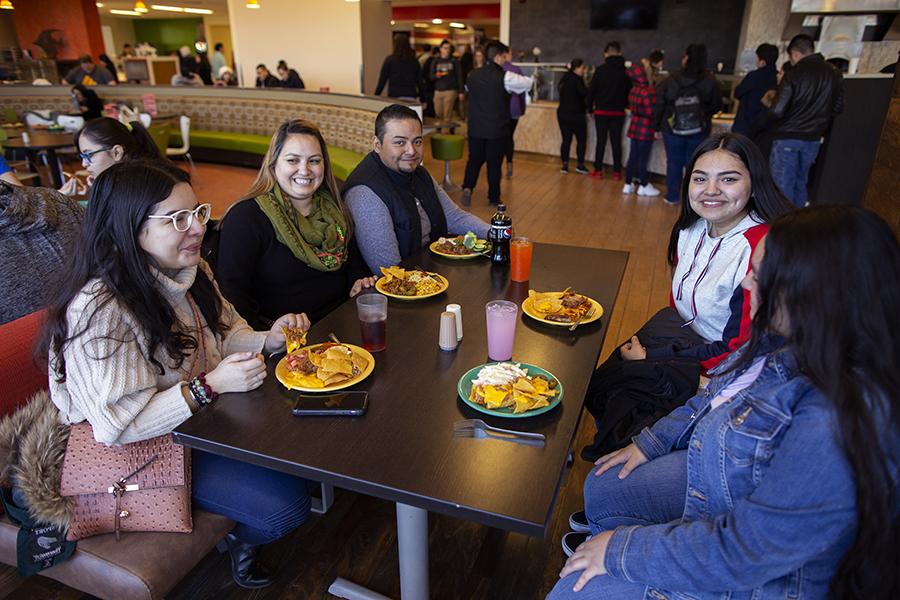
<point>688,118</point>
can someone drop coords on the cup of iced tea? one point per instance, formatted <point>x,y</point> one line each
<point>520,249</point>
<point>372,311</point>
<point>501,328</point>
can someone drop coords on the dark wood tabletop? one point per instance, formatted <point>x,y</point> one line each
<point>403,449</point>
<point>41,140</point>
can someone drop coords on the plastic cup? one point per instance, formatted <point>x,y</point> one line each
<point>520,249</point>
<point>501,328</point>
<point>372,312</point>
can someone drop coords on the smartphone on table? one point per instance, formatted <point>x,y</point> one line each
<point>352,404</point>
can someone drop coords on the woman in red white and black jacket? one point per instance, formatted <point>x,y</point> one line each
<point>641,98</point>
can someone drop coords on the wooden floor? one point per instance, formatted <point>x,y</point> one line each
<point>357,539</point>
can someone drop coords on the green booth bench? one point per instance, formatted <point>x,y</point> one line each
<point>233,125</point>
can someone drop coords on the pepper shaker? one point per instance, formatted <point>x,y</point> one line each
<point>447,335</point>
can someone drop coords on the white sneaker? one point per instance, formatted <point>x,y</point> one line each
<point>628,188</point>
<point>647,190</point>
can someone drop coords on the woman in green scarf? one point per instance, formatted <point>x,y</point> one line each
<point>289,241</point>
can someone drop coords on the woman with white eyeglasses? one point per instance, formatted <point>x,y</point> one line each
<point>104,142</point>
<point>139,338</point>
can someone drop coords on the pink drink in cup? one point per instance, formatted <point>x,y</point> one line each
<point>501,328</point>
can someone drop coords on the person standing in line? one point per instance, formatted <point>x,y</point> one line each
<point>608,97</point>
<point>217,60</point>
<point>571,115</point>
<point>401,72</point>
<point>489,89</point>
<point>809,96</point>
<point>516,110</point>
<point>752,89</point>
<point>685,104</point>
<point>446,77</point>
<point>641,98</point>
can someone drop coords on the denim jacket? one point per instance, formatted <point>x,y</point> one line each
<point>770,501</point>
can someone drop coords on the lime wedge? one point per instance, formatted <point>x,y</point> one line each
<point>469,240</point>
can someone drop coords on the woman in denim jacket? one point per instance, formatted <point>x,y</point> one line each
<point>780,480</point>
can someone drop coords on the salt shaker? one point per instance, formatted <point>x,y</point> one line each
<point>456,309</point>
<point>447,336</point>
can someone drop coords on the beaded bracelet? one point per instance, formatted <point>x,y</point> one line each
<point>202,393</point>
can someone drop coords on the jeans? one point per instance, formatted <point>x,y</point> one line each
<point>679,149</point>
<point>653,494</point>
<point>511,143</point>
<point>638,159</point>
<point>266,504</point>
<point>481,151</point>
<point>613,126</point>
<point>790,161</point>
<point>443,104</point>
<point>569,125</point>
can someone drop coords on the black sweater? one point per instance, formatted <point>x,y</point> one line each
<point>403,77</point>
<point>572,95</point>
<point>263,280</point>
<point>609,86</point>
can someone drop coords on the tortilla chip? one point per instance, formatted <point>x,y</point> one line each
<point>337,365</point>
<point>335,379</point>
<point>494,396</point>
<point>523,385</point>
<point>359,361</point>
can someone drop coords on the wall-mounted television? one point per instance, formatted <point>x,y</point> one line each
<point>624,14</point>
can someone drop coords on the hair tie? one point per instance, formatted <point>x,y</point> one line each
<point>128,126</point>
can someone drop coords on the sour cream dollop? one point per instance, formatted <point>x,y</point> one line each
<point>499,374</point>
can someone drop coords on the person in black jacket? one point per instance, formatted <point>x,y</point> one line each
<point>489,89</point>
<point>753,88</point>
<point>265,79</point>
<point>290,78</point>
<point>401,72</point>
<point>809,96</point>
<point>608,97</point>
<point>571,114</point>
<point>685,105</point>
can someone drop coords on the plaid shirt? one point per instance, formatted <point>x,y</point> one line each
<point>641,98</point>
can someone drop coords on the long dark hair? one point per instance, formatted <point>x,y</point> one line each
<point>766,200</point>
<point>401,46</point>
<point>134,137</point>
<point>108,250</point>
<point>695,66</point>
<point>835,272</point>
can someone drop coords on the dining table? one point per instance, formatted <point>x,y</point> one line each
<point>403,449</point>
<point>44,141</point>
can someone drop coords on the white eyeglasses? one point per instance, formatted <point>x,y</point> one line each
<point>183,219</point>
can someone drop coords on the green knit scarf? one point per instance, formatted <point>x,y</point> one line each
<point>318,240</point>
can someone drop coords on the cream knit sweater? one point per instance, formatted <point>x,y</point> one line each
<point>114,386</point>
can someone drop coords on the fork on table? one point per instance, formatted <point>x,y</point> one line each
<point>476,428</point>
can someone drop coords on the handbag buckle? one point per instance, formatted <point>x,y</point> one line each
<point>120,488</point>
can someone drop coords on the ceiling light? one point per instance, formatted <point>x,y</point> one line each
<point>166,8</point>
<point>437,21</point>
<point>6,5</point>
<point>198,11</point>
<point>129,13</point>
<point>393,22</point>
<point>140,7</point>
<point>99,5</point>
<point>252,4</point>
<point>421,25</point>
<point>456,25</point>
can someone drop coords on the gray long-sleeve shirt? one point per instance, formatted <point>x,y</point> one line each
<point>374,229</point>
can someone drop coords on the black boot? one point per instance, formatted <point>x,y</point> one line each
<point>244,570</point>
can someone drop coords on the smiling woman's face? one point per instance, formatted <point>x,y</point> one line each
<point>719,190</point>
<point>300,168</point>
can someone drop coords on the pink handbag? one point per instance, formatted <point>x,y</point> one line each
<point>142,486</point>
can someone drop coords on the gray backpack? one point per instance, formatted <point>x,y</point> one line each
<point>688,117</point>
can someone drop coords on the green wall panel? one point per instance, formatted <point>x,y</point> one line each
<point>167,34</point>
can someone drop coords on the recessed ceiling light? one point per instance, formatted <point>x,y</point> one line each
<point>252,4</point>
<point>437,21</point>
<point>456,25</point>
<point>198,11</point>
<point>99,5</point>
<point>421,25</point>
<point>129,13</point>
<point>163,7</point>
<point>140,7</point>
<point>393,22</point>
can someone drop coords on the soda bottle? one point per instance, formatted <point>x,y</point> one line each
<point>501,231</point>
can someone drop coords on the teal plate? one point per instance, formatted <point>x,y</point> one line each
<point>464,388</point>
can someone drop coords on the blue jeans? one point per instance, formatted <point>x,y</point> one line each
<point>679,149</point>
<point>790,161</point>
<point>638,159</point>
<point>266,504</point>
<point>654,493</point>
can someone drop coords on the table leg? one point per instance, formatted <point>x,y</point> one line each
<point>412,546</point>
<point>54,167</point>
<point>412,542</point>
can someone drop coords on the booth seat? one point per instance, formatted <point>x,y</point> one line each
<point>144,566</point>
<point>239,145</point>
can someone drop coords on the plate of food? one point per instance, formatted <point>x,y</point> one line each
<point>561,309</point>
<point>511,390</point>
<point>324,367</point>
<point>412,284</point>
<point>461,247</point>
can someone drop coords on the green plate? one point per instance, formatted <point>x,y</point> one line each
<point>464,388</point>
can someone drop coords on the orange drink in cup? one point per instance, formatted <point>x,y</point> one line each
<point>520,258</point>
